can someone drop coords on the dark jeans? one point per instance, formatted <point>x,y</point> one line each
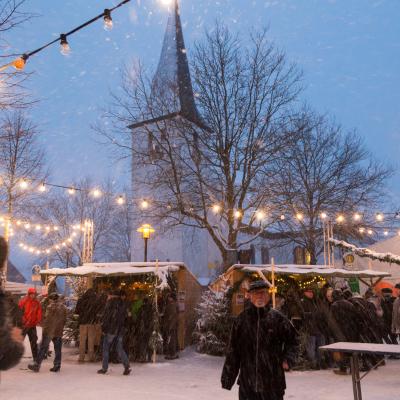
<point>313,344</point>
<point>107,341</point>
<point>250,395</point>
<point>44,347</point>
<point>32,335</point>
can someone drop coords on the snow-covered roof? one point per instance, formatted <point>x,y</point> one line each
<point>116,269</point>
<point>322,270</point>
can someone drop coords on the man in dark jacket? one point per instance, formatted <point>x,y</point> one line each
<point>262,344</point>
<point>387,307</point>
<point>53,327</point>
<point>87,308</point>
<point>113,324</point>
<point>11,340</point>
<point>170,325</point>
<point>312,318</point>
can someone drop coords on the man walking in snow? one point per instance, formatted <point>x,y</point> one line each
<point>32,316</point>
<point>262,345</point>
<point>53,327</point>
<point>113,325</point>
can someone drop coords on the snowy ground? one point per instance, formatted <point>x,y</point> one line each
<point>193,376</point>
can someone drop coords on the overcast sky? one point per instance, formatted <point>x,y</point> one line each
<point>348,50</point>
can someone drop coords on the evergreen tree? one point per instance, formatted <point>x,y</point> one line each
<point>214,322</point>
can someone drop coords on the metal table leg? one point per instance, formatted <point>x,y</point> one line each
<point>355,376</point>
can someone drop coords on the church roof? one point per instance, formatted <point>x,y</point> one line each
<point>172,78</point>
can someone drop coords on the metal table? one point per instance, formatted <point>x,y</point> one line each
<point>361,348</point>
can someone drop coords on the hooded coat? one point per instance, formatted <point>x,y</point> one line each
<point>261,339</point>
<point>10,351</point>
<point>32,312</point>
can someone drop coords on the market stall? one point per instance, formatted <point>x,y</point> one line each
<point>144,280</point>
<point>286,276</point>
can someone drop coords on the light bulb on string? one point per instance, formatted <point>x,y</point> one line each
<point>361,230</point>
<point>237,214</point>
<point>356,217</point>
<point>323,216</point>
<point>71,191</point>
<point>260,215</point>
<point>216,208</point>
<point>108,22</point>
<point>386,233</point>
<point>96,193</point>
<point>65,49</point>
<point>379,217</point>
<point>282,217</point>
<point>299,216</point>
<point>120,200</point>
<point>166,2</point>
<point>19,63</point>
<point>42,188</point>
<point>23,184</point>
<point>144,204</point>
<point>370,232</point>
<point>340,218</point>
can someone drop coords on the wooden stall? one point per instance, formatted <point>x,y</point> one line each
<point>129,276</point>
<point>239,276</point>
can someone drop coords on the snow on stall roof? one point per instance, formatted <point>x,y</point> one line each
<point>310,270</point>
<point>123,268</point>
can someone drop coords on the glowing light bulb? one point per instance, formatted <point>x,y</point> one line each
<point>96,193</point>
<point>238,214</point>
<point>361,230</point>
<point>386,233</point>
<point>38,227</point>
<point>323,215</point>
<point>166,2</point>
<point>260,215</point>
<point>18,222</point>
<point>27,226</point>
<point>65,49</point>
<point>55,228</point>
<point>23,184</point>
<point>340,219</point>
<point>144,205</point>
<point>47,251</point>
<point>216,208</point>
<point>42,188</point>
<point>108,22</point>
<point>71,191</point>
<point>356,217</point>
<point>120,200</point>
<point>299,216</point>
<point>370,232</point>
<point>282,217</point>
<point>19,63</point>
<point>379,217</point>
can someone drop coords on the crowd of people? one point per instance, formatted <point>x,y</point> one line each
<point>337,315</point>
<point>110,327</point>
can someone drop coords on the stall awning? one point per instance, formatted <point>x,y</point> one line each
<point>309,270</point>
<point>116,269</point>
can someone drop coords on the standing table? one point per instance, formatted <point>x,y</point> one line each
<point>361,348</point>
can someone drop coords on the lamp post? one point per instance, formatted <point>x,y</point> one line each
<point>146,230</point>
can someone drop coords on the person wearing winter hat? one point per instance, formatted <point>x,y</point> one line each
<point>32,316</point>
<point>11,346</point>
<point>53,327</point>
<point>262,344</point>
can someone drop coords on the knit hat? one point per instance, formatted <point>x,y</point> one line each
<point>32,291</point>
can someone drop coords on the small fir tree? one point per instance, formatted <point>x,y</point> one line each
<point>214,323</point>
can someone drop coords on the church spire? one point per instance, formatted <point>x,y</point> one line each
<point>172,77</point>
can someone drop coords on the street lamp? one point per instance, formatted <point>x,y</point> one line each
<point>146,230</point>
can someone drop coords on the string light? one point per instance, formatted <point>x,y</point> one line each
<point>299,216</point>
<point>144,204</point>
<point>361,230</point>
<point>38,251</point>
<point>65,49</point>
<point>42,188</point>
<point>323,216</point>
<point>120,200</point>
<point>356,217</point>
<point>216,208</point>
<point>237,214</point>
<point>282,217</point>
<point>71,191</point>
<point>386,233</point>
<point>96,193</point>
<point>20,62</point>
<point>108,22</point>
<point>379,217</point>
<point>370,232</point>
<point>23,184</point>
<point>260,215</point>
<point>340,218</point>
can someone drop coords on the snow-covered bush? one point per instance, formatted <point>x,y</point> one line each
<point>213,326</point>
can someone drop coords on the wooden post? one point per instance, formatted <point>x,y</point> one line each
<point>273,282</point>
<point>154,359</point>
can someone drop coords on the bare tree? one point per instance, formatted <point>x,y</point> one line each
<point>211,175</point>
<point>66,211</point>
<point>324,173</point>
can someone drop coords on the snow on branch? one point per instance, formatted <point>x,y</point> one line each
<point>364,252</point>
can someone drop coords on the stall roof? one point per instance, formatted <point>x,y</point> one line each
<point>307,270</point>
<point>116,269</point>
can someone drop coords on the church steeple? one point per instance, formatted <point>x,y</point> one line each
<point>172,77</point>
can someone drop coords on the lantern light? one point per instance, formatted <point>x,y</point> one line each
<point>146,230</point>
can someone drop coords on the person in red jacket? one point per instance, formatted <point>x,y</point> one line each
<point>32,316</point>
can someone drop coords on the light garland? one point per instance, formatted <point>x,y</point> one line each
<point>19,63</point>
<point>59,246</point>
